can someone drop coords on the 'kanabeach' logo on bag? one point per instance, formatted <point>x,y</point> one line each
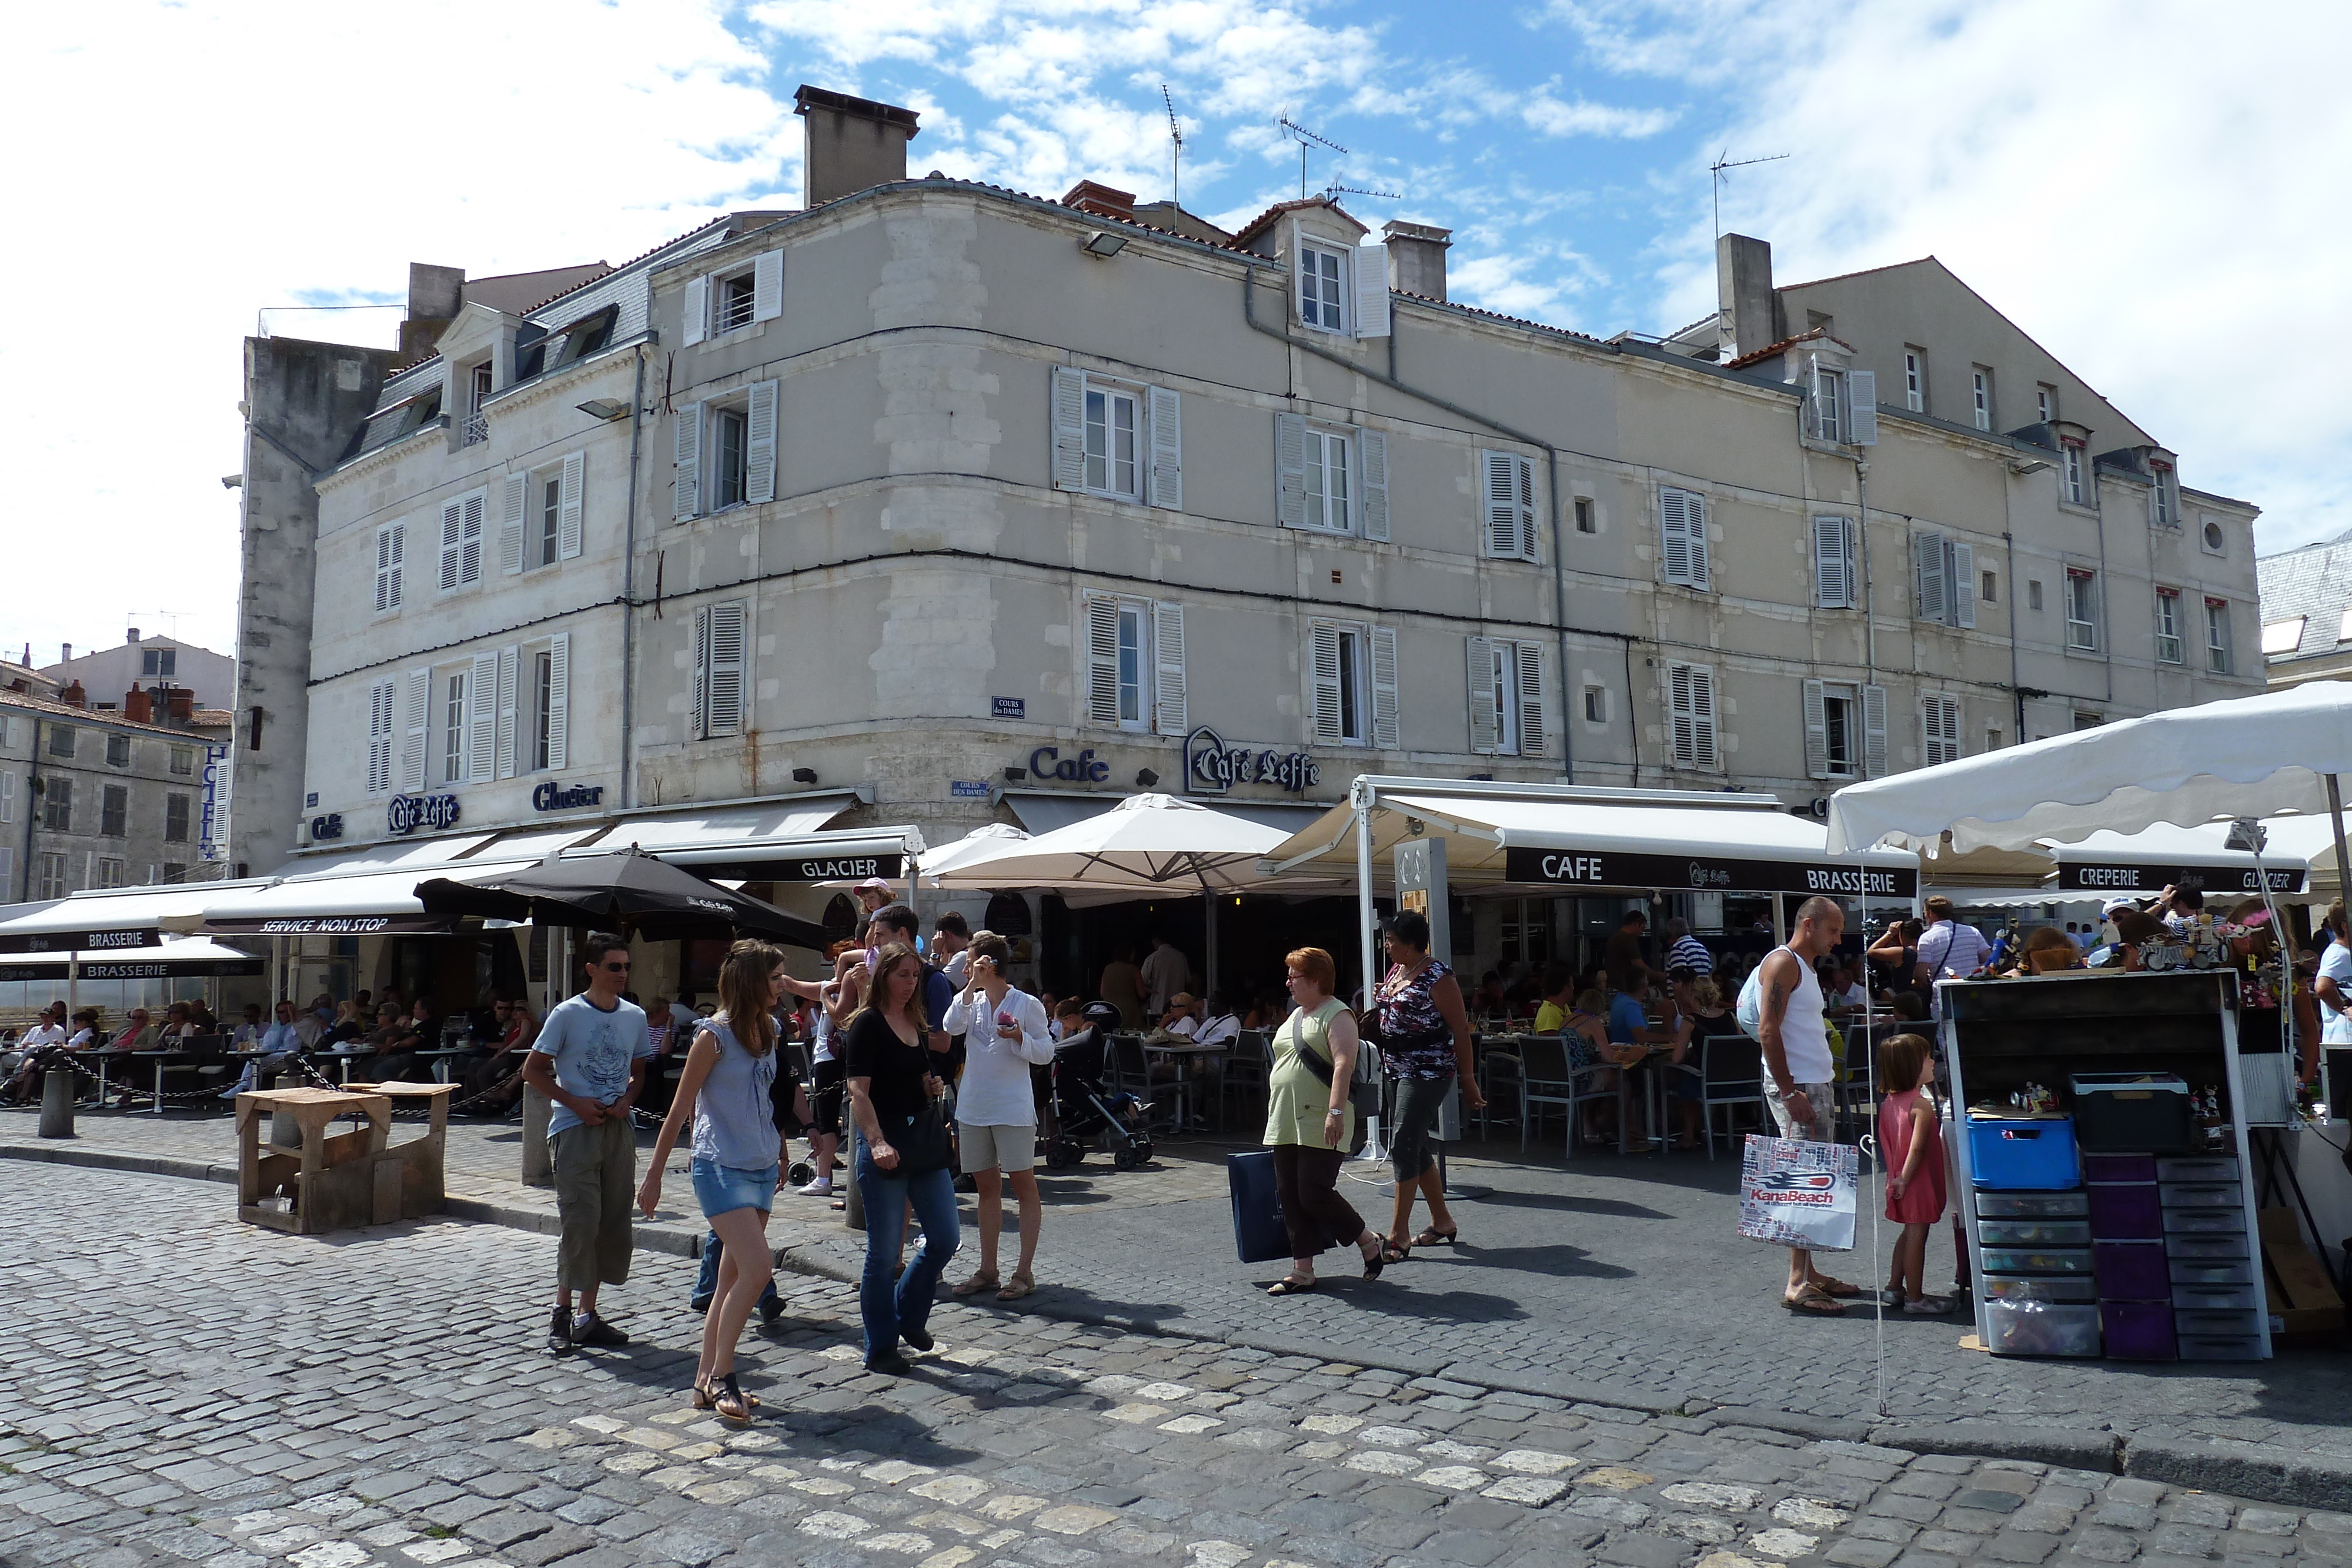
<point>1807,1187</point>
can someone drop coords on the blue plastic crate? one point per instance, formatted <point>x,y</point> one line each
<point>2025,1154</point>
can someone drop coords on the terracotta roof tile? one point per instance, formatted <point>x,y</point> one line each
<point>114,717</point>
<point>1768,350</point>
<point>1257,225</point>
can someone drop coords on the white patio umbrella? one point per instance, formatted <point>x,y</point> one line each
<point>985,839</point>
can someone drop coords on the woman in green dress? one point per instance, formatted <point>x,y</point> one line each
<point>1309,1123</point>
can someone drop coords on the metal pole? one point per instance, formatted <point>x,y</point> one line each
<point>1364,921</point>
<point>1209,944</point>
<point>2335,820</point>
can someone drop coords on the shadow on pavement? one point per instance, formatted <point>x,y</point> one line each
<point>1610,1206</point>
<point>1558,1259</point>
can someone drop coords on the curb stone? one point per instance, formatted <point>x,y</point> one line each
<point>2072,1449</point>
<point>2257,1471</point>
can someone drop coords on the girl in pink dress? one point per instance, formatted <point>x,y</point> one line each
<point>1911,1144</point>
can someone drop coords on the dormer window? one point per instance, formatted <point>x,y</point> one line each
<point>1322,276</point>
<point>734,303</point>
<point>478,423</point>
<point>2072,466</point>
<point>1830,404</point>
<point>2164,495</point>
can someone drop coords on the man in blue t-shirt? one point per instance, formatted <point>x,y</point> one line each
<point>589,1061</point>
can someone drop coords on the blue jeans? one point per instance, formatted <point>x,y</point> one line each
<point>707,1284</point>
<point>891,1307</point>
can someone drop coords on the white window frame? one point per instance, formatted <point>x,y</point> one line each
<point>2085,641</point>
<point>2163,497</point>
<point>2073,474</point>
<point>1944,580</point>
<point>724,417</point>
<point>111,872</point>
<point>2220,656</point>
<point>1132,683</point>
<point>1112,627</point>
<point>456,731</point>
<point>2045,402</point>
<point>2169,650</point>
<point>1939,728</point>
<point>1915,380</point>
<point>391,549</point>
<point>1830,405</point>
<point>383,697</point>
<point>1103,463</point>
<point>1315,310</point>
<point>731,311</point>
<point>1506,698</point>
<point>1358,674</point>
<point>1981,396</point>
<point>1327,513</point>
<point>50,875</point>
<point>1693,741</point>
<point>1859,721</point>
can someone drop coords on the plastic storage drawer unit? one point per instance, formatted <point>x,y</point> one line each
<point>2118,1167</point>
<point>2038,1154</point>
<point>2217,1297</point>
<point>2132,1113</point>
<point>2182,1244</point>
<point>2131,1272</point>
<point>2034,1232</point>
<point>2207,1321</point>
<point>2202,1195</point>
<point>2037,1259</point>
<point>2040,1328</point>
<point>2041,1287</point>
<point>2206,1222</point>
<point>2138,1330</point>
<point>2247,1346</point>
<point>2213,1271</point>
<point>2198,1167</point>
<point>2124,1213</point>
<point>2033,1204</point>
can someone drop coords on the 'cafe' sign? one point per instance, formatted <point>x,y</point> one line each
<point>1212,767</point>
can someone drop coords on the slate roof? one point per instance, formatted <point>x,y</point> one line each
<point>2314,582</point>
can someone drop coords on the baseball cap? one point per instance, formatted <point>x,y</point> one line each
<point>874,885</point>
<point>2113,905</point>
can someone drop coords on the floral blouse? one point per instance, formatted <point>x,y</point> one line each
<point>1415,1039</point>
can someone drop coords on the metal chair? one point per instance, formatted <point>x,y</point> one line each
<point>1730,1072</point>
<point>1500,1072</point>
<point>1248,1066</point>
<point>1546,1079</point>
<point>1131,1072</point>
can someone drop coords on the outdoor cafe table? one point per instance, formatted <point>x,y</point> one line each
<point>164,1059</point>
<point>1187,1060</point>
<point>440,1059</point>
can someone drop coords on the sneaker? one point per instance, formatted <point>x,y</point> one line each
<point>1891,1297</point>
<point>890,1364</point>
<point>1927,1307</point>
<point>587,1328</point>
<point>821,1187</point>
<point>559,1332</point>
<point>697,1304</point>
<point>920,1339</point>
<point>772,1306</point>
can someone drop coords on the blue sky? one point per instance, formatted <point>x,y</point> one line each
<point>2147,186</point>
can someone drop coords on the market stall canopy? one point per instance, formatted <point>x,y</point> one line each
<point>1145,844</point>
<point>619,889</point>
<point>2106,863</point>
<point>1606,841</point>
<point>188,959</point>
<point>112,919</point>
<point>2252,757</point>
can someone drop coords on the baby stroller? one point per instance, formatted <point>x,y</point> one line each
<point>1085,1113</point>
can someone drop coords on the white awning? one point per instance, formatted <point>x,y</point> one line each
<point>335,905</point>
<point>2107,864</point>
<point>392,854</point>
<point>111,919</point>
<point>187,958</point>
<point>783,841</point>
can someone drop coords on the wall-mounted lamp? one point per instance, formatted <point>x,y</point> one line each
<point>1415,827</point>
<point>1014,775</point>
<point>605,408</point>
<point>1104,243</point>
<point>2027,465</point>
<point>1145,777</point>
<point>803,775</point>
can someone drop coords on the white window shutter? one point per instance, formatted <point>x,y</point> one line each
<point>1385,727</point>
<point>686,497</point>
<point>1961,572</point>
<point>1526,470</point>
<point>1373,461</point>
<point>1501,504</point>
<point>1874,732</point>
<point>1702,578</point>
<point>482,718</point>
<point>1813,393</point>
<point>380,702</point>
<point>1530,662</point>
<point>571,508</point>
<point>391,544</point>
<point>1862,392</point>
<point>701,677</point>
<point>1830,571</point>
<point>7,797</point>
<point>1674,534</point>
<point>559,700</point>
<point>412,755</point>
<point>1069,428</point>
<point>767,285</point>
<point>514,498</point>
<point>469,568</point>
<point>1928,561</point>
<point>509,679</point>
<point>1853,565</point>
<point>1486,737</point>
<point>1703,711</point>
<point>723,707</point>
<point>1325,672</point>
<point>1816,731</point>
<point>1290,469</point>
<point>1166,412</point>
<point>1102,660</point>
<point>760,444</point>
<point>1372,290</point>
<point>697,310</point>
<point>1168,668</point>
<point>452,534</point>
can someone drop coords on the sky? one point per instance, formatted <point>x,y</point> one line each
<point>2140,185</point>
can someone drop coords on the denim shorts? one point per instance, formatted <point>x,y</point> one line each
<point>722,1189</point>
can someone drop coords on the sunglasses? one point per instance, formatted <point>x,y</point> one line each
<point>619,968</point>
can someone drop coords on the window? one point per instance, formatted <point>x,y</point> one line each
<point>1510,505</point>
<point>61,740</point>
<point>114,811</point>
<point>1135,664</point>
<point>118,751</point>
<point>174,873</point>
<point>1829,394</point>
<point>720,665</point>
<point>1690,704</point>
<point>2088,720</point>
<point>1114,431</point>
<point>1596,705</point>
<point>2033,594</point>
<point>2216,636</point>
<point>453,729</point>
<point>478,423</point>
<point>461,540</point>
<point>1585,521</point>
<point>2216,541</point>
<point>1989,588</point>
<point>158,661</point>
<point>2282,636</point>
<point>1836,581</point>
<point>1326,482</point>
<point>1994,737</point>
<point>1939,728</point>
<point>1843,405</point>
<point>542,706</point>
<point>49,876</point>
<point>726,456</point>
<point>2071,460</point>
<point>1682,528</point>
<point>1354,670</point>
<point>1945,575</point>
<point>184,761</point>
<point>1321,274</point>
<point>551,521</point>
<point>1846,730</point>
<point>56,804</point>
<point>390,545</point>
<point>1331,480</point>
<point>482,380</point>
<point>7,805</point>
<point>2168,626</point>
<point>715,304</point>
<point>175,818</point>
<point>1915,380</point>
<point>109,872</point>
<point>733,303</point>
<point>1980,397</point>
<point>2082,609</point>
<point>1506,698</point>
<point>381,699</point>
<point>2045,402</point>
<point>728,451</point>
<point>2163,499</point>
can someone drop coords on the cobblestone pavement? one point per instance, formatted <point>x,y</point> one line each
<point>1609,1280</point>
<point>188,1390</point>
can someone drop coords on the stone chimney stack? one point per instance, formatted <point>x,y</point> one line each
<point>1748,311</point>
<point>434,295</point>
<point>852,143</point>
<point>1417,257</point>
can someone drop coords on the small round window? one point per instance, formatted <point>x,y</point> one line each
<point>2213,538</point>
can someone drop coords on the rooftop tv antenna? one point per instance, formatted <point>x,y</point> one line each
<point>1175,149</point>
<point>1305,137</point>
<point>1716,171</point>
<point>1338,190</point>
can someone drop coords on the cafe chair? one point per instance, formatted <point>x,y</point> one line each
<point>1500,1072</point>
<point>1130,1074</point>
<point>1730,1073</point>
<point>1546,1079</point>
<point>1248,1066</point>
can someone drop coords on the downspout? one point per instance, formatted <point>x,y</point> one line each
<point>1560,614</point>
<point>2008,569</point>
<point>629,592</point>
<point>1869,603</point>
<point>2108,628</point>
<point>32,778</point>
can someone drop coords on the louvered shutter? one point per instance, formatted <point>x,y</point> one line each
<point>1501,503</point>
<point>1691,707</point>
<point>412,756</point>
<point>1874,732</point>
<point>1329,729</point>
<point>1102,660</point>
<point>391,544</point>
<point>571,509</point>
<point>559,700</point>
<point>383,549</point>
<point>701,675</point>
<point>1961,569</point>
<point>1830,571</point>
<point>1485,737</point>
<point>1168,667</point>
<point>453,538</point>
<point>7,797</point>
<point>1526,468</point>
<point>514,499</point>
<point>1069,428</point>
<point>1702,578</point>
<point>1682,521</point>
<point>1385,727</point>
<point>469,568</point>
<point>1290,469</point>
<point>1372,290</point>
<point>1928,564</point>
<point>380,701</point>
<point>1853,565</point>
<point>482,718</point>
<point>1816,731</point>
<point>1529,663</point>
<point>1166,412</point>
<point>767,285</point>
<point>1372,458</point>
<point>723,707</point>
<point>1862,392</point>
<point>509,679</point>
<point>1813,407</point>
<point>1702,714</point>
<point>686,497</point>
<point>697,310</point>
<point>760,444</point>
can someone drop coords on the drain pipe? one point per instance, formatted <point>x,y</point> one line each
<point>629,591</point>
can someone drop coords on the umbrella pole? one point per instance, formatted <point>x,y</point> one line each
<point>1364,922</point>
<point>2335,820</point>
<point>1209,957</point>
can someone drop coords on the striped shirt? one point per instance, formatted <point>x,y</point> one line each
<point>1689,953</point>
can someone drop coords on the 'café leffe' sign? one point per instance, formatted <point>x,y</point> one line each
<point>1212,767</point>
<point>406,813</point>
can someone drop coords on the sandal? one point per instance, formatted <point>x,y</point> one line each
<point>981,1279</point>
<point>1812,1301</point>
<point>726,1393</point>
<point>1020,1285</point>
<point>1291,1285</point>
<point>704,1398</point>
<point>1837,1287</point>
<point>1395,1252</point>
<point>1434,1236</point>
<point>1376,1261</point>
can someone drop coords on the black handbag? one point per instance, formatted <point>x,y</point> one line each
<point>923,1146</point>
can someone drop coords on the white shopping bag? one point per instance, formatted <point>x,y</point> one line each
<point>1797,1194</point>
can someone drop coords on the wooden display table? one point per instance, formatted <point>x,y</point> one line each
<point>353,1178</point>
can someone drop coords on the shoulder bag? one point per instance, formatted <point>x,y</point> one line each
<point>1363,1093</point>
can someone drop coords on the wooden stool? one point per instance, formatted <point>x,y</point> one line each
<point>419,1159</point>
<point>332,1183</point>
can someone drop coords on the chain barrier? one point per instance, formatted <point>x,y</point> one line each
<point>129,1091</point>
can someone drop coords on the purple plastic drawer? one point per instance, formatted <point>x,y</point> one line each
<point>2118,1167</point>
<point>2120,1213</point>
<point>2138,1330</point>
<point>2131,1272</point>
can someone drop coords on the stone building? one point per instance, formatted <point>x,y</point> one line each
<point>94,798</point>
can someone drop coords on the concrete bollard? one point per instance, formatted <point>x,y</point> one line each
<point>853,1206</point>
<point>538,1162</point>
<point>58,1090</point>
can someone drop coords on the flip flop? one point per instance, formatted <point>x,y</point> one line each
<point>1291,1287</point>
<point>1434,1236</point>
<point>1812,1301</point>
<point>1837,1289</point>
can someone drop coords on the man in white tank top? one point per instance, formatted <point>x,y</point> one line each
<point>1799,1074</point>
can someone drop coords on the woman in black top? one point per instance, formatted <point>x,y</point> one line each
<point>889,1062</point>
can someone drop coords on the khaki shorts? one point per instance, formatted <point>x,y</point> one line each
<point>1823,1097</point>
<point>1008,1149</point>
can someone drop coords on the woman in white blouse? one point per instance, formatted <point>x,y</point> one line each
<point>1005,1032</point>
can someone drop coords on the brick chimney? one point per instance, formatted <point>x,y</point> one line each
<point>851,143</point>
<point>180,704</point>
<point>136,708</point>
<point>1100,200</point>
<point>132,635</point>
<point>74,696</point>
<point>1417,257</point>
